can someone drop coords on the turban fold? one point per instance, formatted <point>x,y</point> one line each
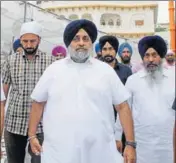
<point>31,27</point>
<point>16,44</point>
<point>59,49</point>
<point>155,42</point>
<point>123,46</point>
<point>97,48</point>
<point>111,40</point>
<point>73,27</point>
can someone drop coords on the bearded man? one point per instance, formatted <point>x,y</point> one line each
<point>152,95</point>
<point>75,98</point>
<point>21,73</point>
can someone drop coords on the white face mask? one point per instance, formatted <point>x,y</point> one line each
<point>79,56</point>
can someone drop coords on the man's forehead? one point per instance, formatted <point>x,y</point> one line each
<point>107,44</point>
<point>151,50</point>
<point>82,32</point>
<point>29,36</point>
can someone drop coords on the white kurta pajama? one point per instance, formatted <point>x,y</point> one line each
<point>153,117</point>
<point>78,118</point>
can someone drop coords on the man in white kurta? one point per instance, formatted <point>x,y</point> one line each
<point>78,117</point>
<point>153,92</point>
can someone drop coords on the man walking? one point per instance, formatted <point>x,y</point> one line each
<point>78,115</point>
<point>151,103</point>
<point>21,73</point>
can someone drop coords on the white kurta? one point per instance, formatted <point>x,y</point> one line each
<point>153,117</point>
<point>78,118</point>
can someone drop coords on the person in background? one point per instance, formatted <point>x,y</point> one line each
<point>152,96</point>
<point>98,51</point>
<point>17,48</point>
<point>109,47</point>
<point>170,59</point>
<point>59,52</point>
<point>125,52</point>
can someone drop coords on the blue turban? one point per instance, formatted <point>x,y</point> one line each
<point>16,44</point>
<point>97,48</point>
<point>123,46</point>
<point>73,27</point>
<point>155,42</point>
<point>111,40</point>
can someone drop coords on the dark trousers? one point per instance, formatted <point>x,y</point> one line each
<point>16,148</point>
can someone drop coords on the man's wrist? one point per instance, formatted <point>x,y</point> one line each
<point>131,143</point>
<point>31,137</point>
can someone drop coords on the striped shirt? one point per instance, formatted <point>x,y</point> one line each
<point>22,75</point>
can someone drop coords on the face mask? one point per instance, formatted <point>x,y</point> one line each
<point>30,51</point>
<point>108,58</point>
<point>80,55</point>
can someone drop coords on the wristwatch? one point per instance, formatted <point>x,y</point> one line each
<point>132,144</point>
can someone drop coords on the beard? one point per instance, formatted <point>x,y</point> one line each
<point>154,73</point>
<point>108,58</point>
<point>170,60</point>
<point>80,55</point>
<point>126,59</point>
<point>30,51</point>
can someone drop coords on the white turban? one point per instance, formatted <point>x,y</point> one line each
<point>31,27</point>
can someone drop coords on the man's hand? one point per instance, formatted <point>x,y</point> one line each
<point>35,146</point>
<point>129,154</point>
<point>119,146</point>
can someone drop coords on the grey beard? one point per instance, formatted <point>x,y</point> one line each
<point>79,56</point>
<point>155,77</point>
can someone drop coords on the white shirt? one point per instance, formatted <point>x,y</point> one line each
<point>3,98</point>
<point>153,116</point>
<point>78,118</point>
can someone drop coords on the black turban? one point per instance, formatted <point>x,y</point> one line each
<point>111,40</point>
<point>73,27</point>
<point>155,42</point>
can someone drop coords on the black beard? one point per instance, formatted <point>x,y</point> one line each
<point>108,58</point>
<point>126,60</point>
<point>30,51</point>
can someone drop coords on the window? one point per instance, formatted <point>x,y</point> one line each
<point>118,22</point>
<point>102,22</point>
<point>139,23</point>
<point>110,22</point>
<point>87,16</point>
<point>73,17</point>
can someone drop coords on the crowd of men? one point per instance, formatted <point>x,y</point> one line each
<point>74,108</point>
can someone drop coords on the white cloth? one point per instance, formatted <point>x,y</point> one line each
<point>31,27</point>
<point>153,116</point>
<point>3,98</point>
<point>78,118</point>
